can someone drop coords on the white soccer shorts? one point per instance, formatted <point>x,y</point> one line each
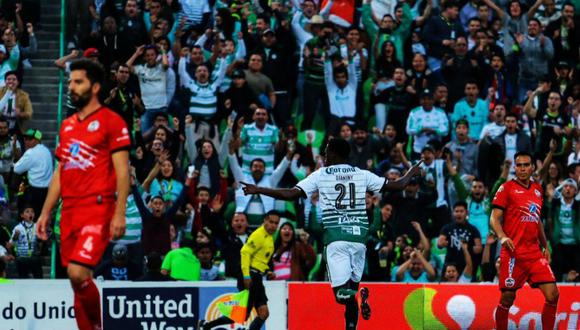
<point>345,261</point>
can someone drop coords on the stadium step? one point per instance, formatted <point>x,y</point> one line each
<point>46,53</point>
<point>41,81</point>
<point>46,266</point>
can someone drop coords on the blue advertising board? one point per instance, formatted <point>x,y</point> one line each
<point>151,308</point>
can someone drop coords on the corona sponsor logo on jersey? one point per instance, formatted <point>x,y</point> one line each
<point>333,170</point>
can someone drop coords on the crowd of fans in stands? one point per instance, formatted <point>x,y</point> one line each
<point>222,91</point>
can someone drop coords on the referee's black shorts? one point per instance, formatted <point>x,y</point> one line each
<point>257,295</point>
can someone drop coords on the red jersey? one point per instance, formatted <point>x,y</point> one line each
<point>85,150</point>
<point>521,218</point>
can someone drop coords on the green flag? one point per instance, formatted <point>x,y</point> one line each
<point>236,306</point>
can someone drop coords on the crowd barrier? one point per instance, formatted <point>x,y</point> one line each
<point>433,307</point>
<point>48,305</point>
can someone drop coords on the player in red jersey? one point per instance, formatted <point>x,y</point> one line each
<point>519,202</point>
<point>93,166</point>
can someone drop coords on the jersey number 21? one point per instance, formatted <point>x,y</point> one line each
<point>342,193</point>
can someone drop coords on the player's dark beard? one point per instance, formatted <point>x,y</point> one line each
<point>80,101</point>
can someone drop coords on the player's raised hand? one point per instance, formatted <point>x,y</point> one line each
<point>41,225</point>
<point>416,226</point>
<point>508,243</point>
<point>249,189</point>
<point>490,239</point>
<point>117,228</point>
<point>217,203</point>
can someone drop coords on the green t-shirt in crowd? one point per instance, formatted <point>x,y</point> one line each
<point>182,265</point>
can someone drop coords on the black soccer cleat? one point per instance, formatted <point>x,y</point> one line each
<point>365,308</point>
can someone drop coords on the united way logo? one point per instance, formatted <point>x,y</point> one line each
<point>74,149</point>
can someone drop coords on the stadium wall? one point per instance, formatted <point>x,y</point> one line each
<point>47,305</point>
<point>433,307</point>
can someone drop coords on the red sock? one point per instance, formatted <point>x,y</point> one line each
<point>80,316</point>
<point>90,300</point>
<point>501,317</point>
<point>548,316</point>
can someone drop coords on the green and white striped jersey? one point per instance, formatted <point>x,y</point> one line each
<point>342,190</point>
<point>258,143</point>
<point>133,223</point>
<point>203,99</point>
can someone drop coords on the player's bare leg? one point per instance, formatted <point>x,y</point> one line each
<point>87,303</point>
<point>551,294</point>
<point>502,310</point>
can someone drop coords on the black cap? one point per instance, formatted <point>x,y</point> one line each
<point>562,65</point>
<point>426,93</point>
<point>268,31</point>
<point>428,147</point>
<point>359,127</point>
<point>120,251</point>
<point>436,144</point>
<point>238,74</point>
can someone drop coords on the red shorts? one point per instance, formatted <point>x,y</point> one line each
<point>514,273</point>
<point>85,234</point>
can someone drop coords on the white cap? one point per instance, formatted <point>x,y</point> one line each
<point>570,182</point>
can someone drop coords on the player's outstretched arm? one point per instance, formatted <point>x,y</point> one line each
<point>403,181</point>
<point>280,193</point>
<point>51,199</point>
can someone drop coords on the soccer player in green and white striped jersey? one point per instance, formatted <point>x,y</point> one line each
<point>342,190</point>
